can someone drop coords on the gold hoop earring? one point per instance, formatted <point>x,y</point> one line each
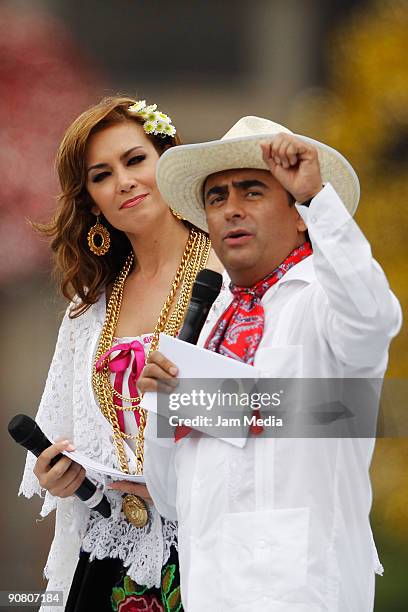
<point>99,231</point>
<point>176,214</point>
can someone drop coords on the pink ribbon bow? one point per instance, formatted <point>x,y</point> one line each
<point>127,352</point>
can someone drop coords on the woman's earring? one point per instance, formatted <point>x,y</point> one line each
<point>98,238</point>
<point>176,214</point>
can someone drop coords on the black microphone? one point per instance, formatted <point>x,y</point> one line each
<point>25,431</point>
<point>205,290</point>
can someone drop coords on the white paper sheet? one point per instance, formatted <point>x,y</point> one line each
<point>100,468</point>
<point>196,362</point>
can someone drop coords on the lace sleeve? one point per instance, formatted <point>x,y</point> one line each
<point>55,411</point>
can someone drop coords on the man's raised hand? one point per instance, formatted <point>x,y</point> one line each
<point>295,164</point>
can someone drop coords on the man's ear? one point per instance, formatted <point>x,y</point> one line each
<point>300,224</point>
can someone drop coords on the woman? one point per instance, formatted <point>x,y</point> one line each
<point>127,265</point>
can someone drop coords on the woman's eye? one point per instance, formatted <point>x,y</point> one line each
<point>136,159</point>
<point>97,178</point>
<point>254,193</point>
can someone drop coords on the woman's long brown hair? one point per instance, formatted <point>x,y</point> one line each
<point>82,274</point>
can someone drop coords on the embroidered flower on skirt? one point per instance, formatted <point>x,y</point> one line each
<point>131,597</point>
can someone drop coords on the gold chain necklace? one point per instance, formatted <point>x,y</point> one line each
<point>194,259</point>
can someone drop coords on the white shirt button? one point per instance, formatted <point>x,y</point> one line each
<point>314,219</point>
<point>262,544</point>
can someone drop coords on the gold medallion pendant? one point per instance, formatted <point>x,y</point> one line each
<point>135,510</point>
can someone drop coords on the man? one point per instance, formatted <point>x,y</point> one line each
<point>281,524</point>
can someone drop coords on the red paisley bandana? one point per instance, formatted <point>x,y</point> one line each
<point>239,329</point>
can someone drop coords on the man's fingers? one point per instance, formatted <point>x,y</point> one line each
<point>281,153</point>
<point>146,384</point>
<point>295,165</point>
<point>152,370</point>
<point>276,153</point>
<point>160,360</point>
<point>267,156</point>
<point>156,379</point>
<point>158,369</point>
<point>284,146</point>
<point>127,486</point>
<point>266,150</point>
<point>291,154</point>
<point>157,373</point>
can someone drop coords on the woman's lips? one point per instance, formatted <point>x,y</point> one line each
<point>134,201</point>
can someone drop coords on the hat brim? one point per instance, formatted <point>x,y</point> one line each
<point>183,170</point>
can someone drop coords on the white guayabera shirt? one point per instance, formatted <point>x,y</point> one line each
<point>282,525</point>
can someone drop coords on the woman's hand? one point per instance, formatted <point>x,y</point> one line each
<point>62,479</point>
<point>134,488</point>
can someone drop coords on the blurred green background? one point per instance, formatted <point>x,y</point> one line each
<point>333,70</point>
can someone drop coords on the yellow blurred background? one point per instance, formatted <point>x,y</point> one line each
<point>336,71</point>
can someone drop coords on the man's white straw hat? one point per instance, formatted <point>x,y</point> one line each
<point>182,170</point>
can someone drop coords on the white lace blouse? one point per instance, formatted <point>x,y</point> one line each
<point>68,408</point>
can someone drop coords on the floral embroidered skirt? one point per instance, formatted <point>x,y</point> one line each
<point>104,586</point>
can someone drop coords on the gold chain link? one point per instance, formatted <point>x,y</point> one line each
<point>194,259</point>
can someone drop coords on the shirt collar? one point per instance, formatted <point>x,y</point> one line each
<point>302,271</point>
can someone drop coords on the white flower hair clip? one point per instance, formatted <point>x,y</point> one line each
<point>155,122</point>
